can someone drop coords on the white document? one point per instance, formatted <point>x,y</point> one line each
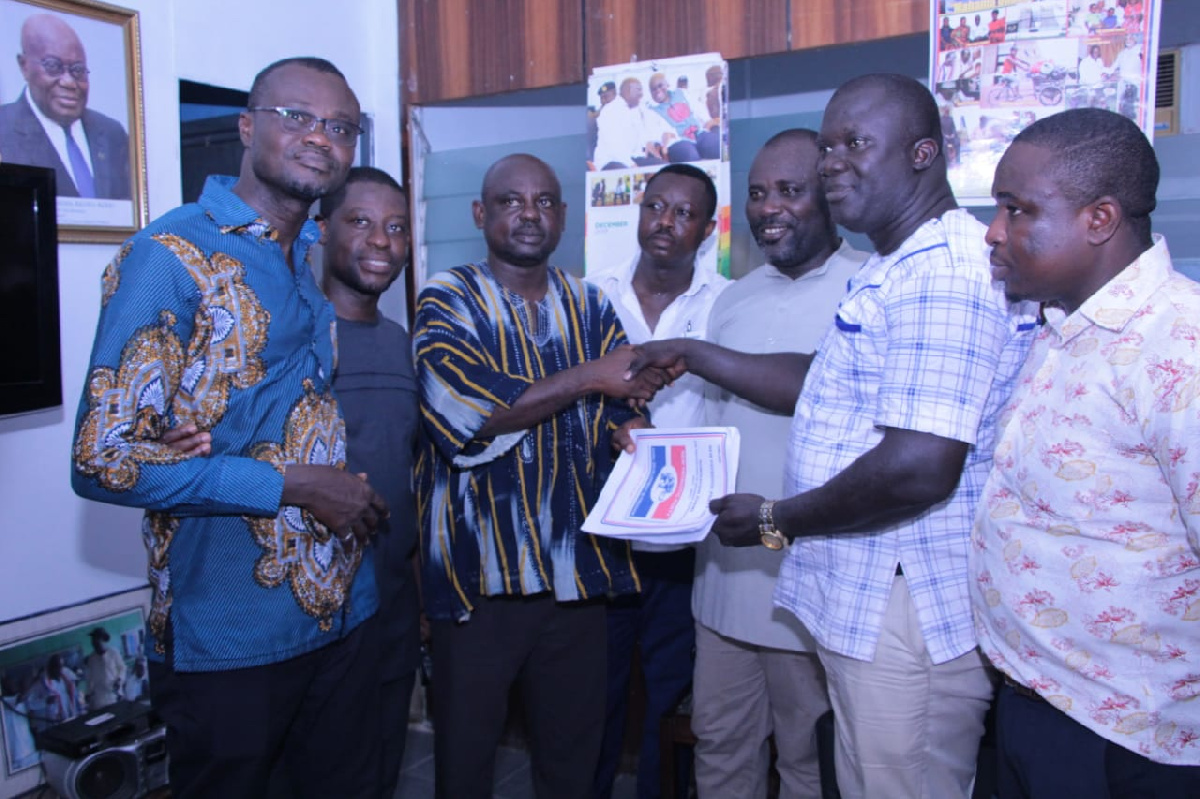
<point>661,492</point>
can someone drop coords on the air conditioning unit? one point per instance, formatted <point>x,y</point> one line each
<point>1166,94</point>
<point>118,752</point>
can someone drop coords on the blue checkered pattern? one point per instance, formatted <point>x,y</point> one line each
<point>924,341</point>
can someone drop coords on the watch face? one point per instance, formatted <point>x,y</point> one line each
<point>772,541</point>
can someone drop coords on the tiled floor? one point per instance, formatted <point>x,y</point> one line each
<point>513,778</point>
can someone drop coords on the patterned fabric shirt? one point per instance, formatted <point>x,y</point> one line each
<point>922,341</point>
<point>1086,549</point>
<point>202,321</point>
<point>501,515</point>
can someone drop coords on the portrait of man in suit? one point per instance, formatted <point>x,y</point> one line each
<point>50,125</point>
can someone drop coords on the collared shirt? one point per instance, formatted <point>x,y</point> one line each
<point>502,515</point>
<point>57,135</point>
<point>1091,71</point>
<point>104,672</point>
<point>622,132</point>
<point>682,403</point>
<point>923,341</point>
<point>1086,548</point>
<point>203,321</point>
<point>1129,65</point>
<point>765,311</point>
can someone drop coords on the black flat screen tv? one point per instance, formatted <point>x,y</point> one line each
<point>30,360</point>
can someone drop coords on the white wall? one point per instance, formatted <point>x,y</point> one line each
<point>56,549</point>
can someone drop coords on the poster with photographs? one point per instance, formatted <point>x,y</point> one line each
<point>640,117</point>
<point>62,664</point>
<point>998,65</point>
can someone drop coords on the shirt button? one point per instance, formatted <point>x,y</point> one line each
<point>320,372</point>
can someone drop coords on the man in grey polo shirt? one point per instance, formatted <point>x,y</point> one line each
<point>756,671</point>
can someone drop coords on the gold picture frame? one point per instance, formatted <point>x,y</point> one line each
<point>99,106</point>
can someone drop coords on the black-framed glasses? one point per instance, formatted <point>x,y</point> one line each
<point>342,132</point>
<point>55,67</point>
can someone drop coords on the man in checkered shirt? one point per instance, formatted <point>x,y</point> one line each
<point>891,442</point>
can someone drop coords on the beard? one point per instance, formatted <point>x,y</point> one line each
<point>299,183</point>
<point>309,191</point>
<point>525,255</point>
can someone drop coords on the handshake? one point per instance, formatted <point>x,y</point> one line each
<point>637,373</point>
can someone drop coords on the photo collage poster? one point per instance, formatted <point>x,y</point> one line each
<point>641,116</point>
<point>996,66</point>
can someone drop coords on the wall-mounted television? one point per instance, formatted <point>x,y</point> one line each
<point>30,360</point>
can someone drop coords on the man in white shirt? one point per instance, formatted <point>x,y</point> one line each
<point>104,670</point>
<point>630,134</point>
<point>757,672</point>
<point>660,294</point>
<point>979,31</point>
<point>1092,69</point>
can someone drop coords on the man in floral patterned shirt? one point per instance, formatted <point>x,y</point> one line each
<point>1086,549</point>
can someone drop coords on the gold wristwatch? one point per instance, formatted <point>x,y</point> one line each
<point>771,538</point>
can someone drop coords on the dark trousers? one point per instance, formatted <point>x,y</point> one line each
<point>658,621</point>
<point>554,652</point>
<point>706,147</point>
<point>394,698</point>
<point>1044,754</point>
<point>312,714</point>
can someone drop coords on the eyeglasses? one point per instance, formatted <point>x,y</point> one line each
<point>341,132</point>
<point>54,67</point>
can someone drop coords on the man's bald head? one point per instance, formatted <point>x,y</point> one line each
<point>45,30</point>
<point>881,158</point>
<point>907,100</point>
<point>54,64</point>
<point>499,172</point>
<point>520,211</point>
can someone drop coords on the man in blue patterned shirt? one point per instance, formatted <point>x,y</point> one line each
<point>891,442</point>
<point>520,369</point>
<point>262,639</point>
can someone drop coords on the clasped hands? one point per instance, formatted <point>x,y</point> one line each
<point>637,373</point>
<point>344,502</point>
<point>660,363</point>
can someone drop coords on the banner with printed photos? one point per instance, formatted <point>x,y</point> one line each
<point>641,116</point>
<point>998,65</point>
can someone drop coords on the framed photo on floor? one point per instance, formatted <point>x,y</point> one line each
<point>47,675</point>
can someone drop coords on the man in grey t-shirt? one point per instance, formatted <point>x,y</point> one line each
<point>365,232</point>
<point>756,672</point>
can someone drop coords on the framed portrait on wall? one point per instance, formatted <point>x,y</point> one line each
<point>71,100</point>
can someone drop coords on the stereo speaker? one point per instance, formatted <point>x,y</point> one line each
<point>117,752</point>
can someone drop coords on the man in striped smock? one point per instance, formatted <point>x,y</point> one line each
<point>520,367</point>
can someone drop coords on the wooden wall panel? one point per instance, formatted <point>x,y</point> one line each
<point>467,48</point>
<point>820,23</point>
<point>617,30</point>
